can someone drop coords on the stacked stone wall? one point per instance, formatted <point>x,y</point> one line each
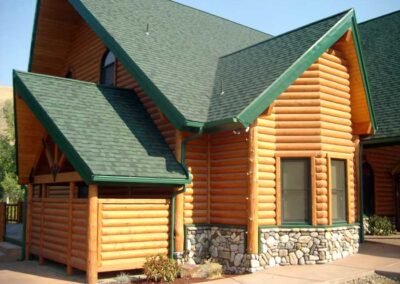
<point>278,246</point>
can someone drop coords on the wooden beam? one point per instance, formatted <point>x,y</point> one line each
<point>313,193</point>
<point>61,177</point>
<point>69,246</point>
<point>43,191</point>
<point>329,180</point>
<point>278,203</point>
<point>179,201</point>
<point>29,195</point>
<point>252,204</point>
<point>208,179</point>
<point>91,265</point>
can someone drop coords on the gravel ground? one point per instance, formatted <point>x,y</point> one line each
<point>376,279</point>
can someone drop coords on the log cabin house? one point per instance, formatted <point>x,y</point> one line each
<point>381,152</point>
<point>149,127</point>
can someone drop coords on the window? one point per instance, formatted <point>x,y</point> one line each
<point>107,69</point>
<point>338,187</point>
<point>296,189</point>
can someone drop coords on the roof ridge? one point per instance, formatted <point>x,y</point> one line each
<point>288,32</point>
<point>379,17</point>
<point>69,79</point>
<point>222,18</point>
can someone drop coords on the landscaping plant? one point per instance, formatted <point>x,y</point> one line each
<point>381,226</point>
<point>161,268</point>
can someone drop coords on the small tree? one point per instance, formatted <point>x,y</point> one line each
<point>8,179</point>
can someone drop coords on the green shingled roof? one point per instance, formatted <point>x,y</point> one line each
<point>203,71</point>
<point>380,39</point>
<point>171,49</point>
<point>105,132</point>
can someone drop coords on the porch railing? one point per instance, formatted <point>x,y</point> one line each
<point>14,213</point>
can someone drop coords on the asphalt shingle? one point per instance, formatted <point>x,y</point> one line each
<point>107,127</point>
<point>380,40</point>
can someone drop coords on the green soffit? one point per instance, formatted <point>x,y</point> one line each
<point>105,132</point>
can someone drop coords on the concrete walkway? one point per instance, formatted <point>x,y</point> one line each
<point>380,254</point>
<point>376,255</point>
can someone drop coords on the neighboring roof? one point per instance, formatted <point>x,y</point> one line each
<point>380,39</point>
<point>202,71</point>
<point>105,132</point>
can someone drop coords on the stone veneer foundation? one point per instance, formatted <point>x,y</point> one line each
<point>278,246</point>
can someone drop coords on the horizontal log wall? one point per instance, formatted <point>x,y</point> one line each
<point>49,235</point>
<point>311,118</point>
<point>196,198</point>
<point>229,180</point>
<point>383,160</point>
<point>131,230</point>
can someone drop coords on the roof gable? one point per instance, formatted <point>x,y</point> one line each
<point>380,38</point>
<point>104,132</point>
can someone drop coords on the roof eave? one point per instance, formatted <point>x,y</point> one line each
<point>258,106</point>
<point>105,179</point>
<point>33,39</point>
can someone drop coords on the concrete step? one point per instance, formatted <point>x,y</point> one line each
<point>9,252</point>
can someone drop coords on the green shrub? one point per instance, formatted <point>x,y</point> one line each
<point>381,226</point>
<point>160,267</point>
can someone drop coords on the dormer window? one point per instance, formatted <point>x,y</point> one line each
<point>107,74</point>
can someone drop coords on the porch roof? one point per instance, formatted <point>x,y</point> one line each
<point>105,132</point>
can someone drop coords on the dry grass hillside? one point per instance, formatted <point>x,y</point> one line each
<point>6,93</point>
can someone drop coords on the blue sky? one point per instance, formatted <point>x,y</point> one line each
<point>271,16</point>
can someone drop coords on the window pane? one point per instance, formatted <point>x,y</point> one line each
<point>338,187</point>
<point>108,75</point>
<point>110,59</point>
<point>295,183</point>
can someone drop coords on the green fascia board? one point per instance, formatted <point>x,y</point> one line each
<point>33,39</point>
<point>257,107</point>
<point>72,156</point>
<point>174,116</point>
<point>98,179</point>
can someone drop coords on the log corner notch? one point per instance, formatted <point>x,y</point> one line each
<point>91,265</point>
<point>252,204</point>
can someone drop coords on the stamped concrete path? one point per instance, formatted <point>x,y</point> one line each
<point>380,255</point>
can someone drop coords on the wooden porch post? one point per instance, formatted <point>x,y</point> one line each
<point>91,265</point>
<point>29,195</point>
<point>252,204</point>
<point>179,201</point>
<point>43,193</point>
<point>69,247</point>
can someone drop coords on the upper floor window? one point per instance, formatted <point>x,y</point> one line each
<point>107,75</point>
<point>296,190</point>
<point>338,187</point>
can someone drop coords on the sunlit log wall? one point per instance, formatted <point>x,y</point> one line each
<point>312,118</point>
